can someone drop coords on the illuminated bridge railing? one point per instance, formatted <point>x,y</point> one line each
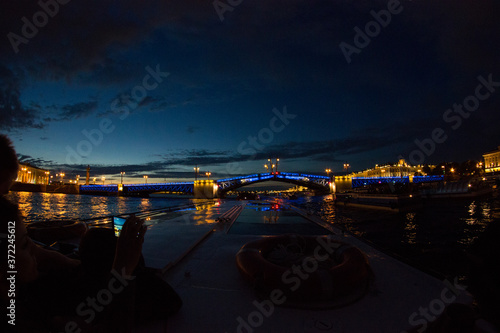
<point>242,180</point>
<point>98,188</point>
<point>306,179</point>
<point>427,179</point>
<point>303,175</point>
<point>223,184</point>
<point>186,187</point>
<point>240,177</point>
<point>362,181</point>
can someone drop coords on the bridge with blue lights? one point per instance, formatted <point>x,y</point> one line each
<point>211,188</point>
<point>314,182</point>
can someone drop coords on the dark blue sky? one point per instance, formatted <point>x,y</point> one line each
<point>160,86</point>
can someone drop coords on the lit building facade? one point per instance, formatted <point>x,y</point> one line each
<point>401,169</point>
<point>492,161</point>
<point>30,175</point>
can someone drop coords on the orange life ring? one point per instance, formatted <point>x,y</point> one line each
<point>52,231</point>
<point>313,272</point>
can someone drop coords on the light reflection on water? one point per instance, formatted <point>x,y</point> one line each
<point>436,234</point>
<point>53,206</point>
<point>436,223</point>
<point>410,234</point>
<point>438,227</point>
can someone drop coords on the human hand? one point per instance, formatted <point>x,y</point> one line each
<point>129,245</point>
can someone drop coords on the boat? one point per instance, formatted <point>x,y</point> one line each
<point>390,202</point>
<point>459,190</point>
<point>200,255</point>
<point>408,198</point>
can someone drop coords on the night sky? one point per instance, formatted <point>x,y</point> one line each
<point>156,87</point>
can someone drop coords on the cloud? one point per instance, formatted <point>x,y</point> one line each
<point>461,32</point>
<point>76,40</point>
<point>35,161</point>
<point>13,115</point>
<point>174,163</point>
<point>426,59</point>
<point>77,44</point>
<point>359,141</point>
<point>77,110</point>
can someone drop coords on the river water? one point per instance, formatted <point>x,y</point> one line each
<point>53,206</point>
<point>434,237</point>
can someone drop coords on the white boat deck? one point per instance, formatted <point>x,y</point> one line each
<point>217,298</point>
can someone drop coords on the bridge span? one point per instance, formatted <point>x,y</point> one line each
<point>212,188</point>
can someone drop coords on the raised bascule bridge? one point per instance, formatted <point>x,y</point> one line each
<point>207,189</point>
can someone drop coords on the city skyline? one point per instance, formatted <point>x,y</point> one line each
<point>159,89</point>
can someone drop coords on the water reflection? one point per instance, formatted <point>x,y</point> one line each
<point>145,204</point>
<point>272,216</point>
<point>472,208</point>
<point>436,235</point>
<point>476,221</point>
<point>53,206</point>
<point>410,228</point>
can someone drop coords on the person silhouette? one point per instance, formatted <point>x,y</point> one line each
<point>8,164</point>
<point>53,290</point>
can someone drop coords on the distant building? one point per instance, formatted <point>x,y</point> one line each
<point>401,169</point>
<point>31,175</point>
<point>492,161</point>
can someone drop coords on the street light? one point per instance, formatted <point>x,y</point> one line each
<point>121,174</point>
<point>270,164</point>
<point>146,178</point>
<point>346,167</point>
<point>62,177</point>
<point>103,179</point>
<point>196,170</point>
<point>277,162</point>
<point>94,180</point>
<point>208,175</point>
